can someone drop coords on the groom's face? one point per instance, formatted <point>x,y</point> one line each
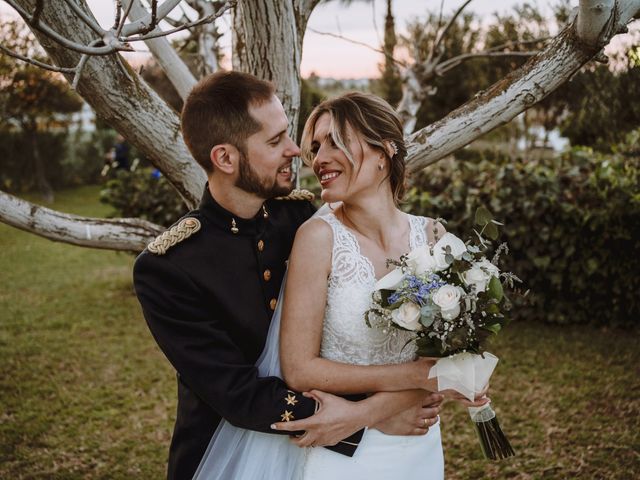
<point>265,168</point>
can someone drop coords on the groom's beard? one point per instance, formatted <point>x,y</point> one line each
<point>250,182</point>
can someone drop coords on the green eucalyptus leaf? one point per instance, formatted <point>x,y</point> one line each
<point>483,216</point>
<point>495,289</point>
<point>491,231</point>
<point>494,328</point>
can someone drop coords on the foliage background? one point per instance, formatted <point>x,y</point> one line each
<point>572,222</point>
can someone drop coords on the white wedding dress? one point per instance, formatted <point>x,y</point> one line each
<point>238,454</point>
<point>347,339</point>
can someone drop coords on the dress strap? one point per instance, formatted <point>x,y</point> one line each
<point>418,236</point>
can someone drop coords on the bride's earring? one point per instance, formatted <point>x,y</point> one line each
<point>380,166</point>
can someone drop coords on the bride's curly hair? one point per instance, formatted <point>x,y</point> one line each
<point>374,120</point>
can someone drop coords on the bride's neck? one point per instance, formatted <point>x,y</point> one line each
<point>374,218</point>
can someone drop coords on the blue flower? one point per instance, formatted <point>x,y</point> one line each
<point>393,298</point>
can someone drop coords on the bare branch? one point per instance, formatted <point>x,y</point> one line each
<point>86,18</point>
<point>451,63</point>
<point>118,15</point>
<point>78,70</point>
<point>185,26</point>
<point>362,44</point>
<point>37,12</point>
<point>154,15</point>
<point>511,44</point>
<point>435,49</point>
<point>37,63</point>
<point>76,47</point>
<point>126,234</point>
<point>170,62</point>
<point>142,23</point>
<point>124,19</point>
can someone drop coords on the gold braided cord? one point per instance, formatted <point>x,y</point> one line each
<point>298,195</point>
<point>174,235</point>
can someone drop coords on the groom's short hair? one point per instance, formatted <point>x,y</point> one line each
<point>217,111</point>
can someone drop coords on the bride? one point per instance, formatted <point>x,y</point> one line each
<point>354,144</point>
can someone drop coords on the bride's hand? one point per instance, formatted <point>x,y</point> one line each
<point>415,420</point>
<point>480,398</point>
<point>335,420</point>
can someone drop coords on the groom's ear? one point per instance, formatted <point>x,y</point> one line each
<point>224,158</point>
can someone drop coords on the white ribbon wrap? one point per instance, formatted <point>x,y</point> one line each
<point>466,373</point>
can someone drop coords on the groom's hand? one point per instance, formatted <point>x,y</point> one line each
<point>335,420</point>
<point>415,420</point>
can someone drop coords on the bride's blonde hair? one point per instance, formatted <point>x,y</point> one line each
<point>374,120</point>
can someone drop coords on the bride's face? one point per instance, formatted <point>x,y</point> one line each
<point>340,179</point>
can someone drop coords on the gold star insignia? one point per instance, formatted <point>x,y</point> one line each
<point>291,399</point>
<point>287,416</point>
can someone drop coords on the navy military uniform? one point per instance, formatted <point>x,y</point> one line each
<point>208,288</point>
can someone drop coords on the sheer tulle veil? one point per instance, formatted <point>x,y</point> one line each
<point>237,453</point>
<point>244,454</point>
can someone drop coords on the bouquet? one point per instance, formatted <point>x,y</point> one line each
<point>453,298</point>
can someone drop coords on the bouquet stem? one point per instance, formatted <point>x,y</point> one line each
<point>493,441</point>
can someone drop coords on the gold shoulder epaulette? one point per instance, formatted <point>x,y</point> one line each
<point>298,195</point>
<point>174,235</point>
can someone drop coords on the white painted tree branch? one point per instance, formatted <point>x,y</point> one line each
<point>45,28</point>
<point>207,37</point>
<point>127,234</point>
<point>121,98</point>
<point>545,72</point>
<point>593,16</point>
<point>142,24</point>
<point>168,59</point>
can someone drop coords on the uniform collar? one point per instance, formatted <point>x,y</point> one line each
<point>222,218</point>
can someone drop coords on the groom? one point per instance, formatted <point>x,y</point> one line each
<point>209,285</point>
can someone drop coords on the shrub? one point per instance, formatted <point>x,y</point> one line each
<point>572,222</point>
<point>143,193</point>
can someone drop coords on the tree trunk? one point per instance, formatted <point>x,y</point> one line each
<point>267,44</point>
<point>39,172</point>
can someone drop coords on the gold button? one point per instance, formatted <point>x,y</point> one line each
<point>272,303</point>
<point>260,245</point>
<point>267,275</point>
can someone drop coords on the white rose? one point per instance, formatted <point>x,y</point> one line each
<point>447,298</point>
<point>480,273</point>
<point>421,260</point>
<point>407,316</point>
<point>457,249</point>
<point>390,281</point>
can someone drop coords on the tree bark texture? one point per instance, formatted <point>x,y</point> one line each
<point>127,234</point>
<point>268,44</point>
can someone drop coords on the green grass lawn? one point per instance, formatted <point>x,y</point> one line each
<point>86,394</point>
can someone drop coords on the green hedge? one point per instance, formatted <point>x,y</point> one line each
<point>572,222</point>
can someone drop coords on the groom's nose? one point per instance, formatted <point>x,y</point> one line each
<point>292,150</point>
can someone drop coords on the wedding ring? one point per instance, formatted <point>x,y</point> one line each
<point>424,422</point>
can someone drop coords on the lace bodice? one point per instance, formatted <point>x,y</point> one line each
<point>346,337</point>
